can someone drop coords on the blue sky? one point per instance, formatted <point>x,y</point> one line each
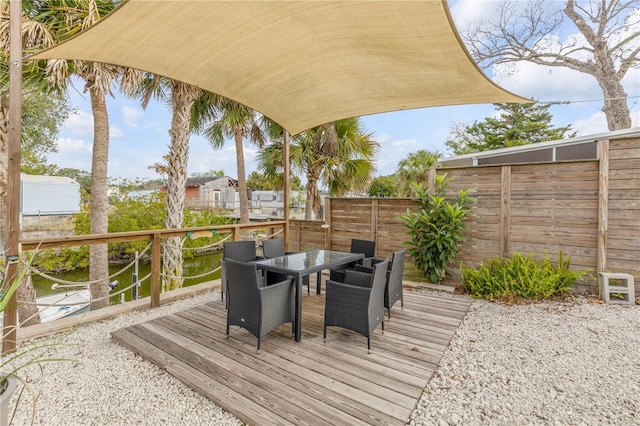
<point>139,138</point>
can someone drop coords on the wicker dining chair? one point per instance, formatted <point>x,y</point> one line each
<point>274,247</point>
<point>256,307</point>
<point>241,251</point>
<point>358,303</point>
<point>393,288</point>
<point>366,247</point>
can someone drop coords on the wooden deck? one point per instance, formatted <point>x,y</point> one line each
<point>309,382</point>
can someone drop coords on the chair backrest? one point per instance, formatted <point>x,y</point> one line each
<point>368,248</point>
<point>242,251</point>
<point>376,301</point>
<point>242,285</point>
<point>273,247</point>
<point>397,268</point>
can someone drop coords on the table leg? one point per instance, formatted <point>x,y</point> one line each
<point>318,281</point>
<point>298,307</point>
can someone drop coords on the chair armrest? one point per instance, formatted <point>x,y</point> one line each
<point>370,261</point>
<point>357,278</point>
<point>275,287</point>
<point>362,268</point>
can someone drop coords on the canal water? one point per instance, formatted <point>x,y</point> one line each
<point>194,267</point>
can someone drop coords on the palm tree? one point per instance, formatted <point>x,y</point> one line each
<point>339,154</point>
<point>415,168</point>
<point>98,79</point>
<point>51,22</point>
<point>233,120</point>
<point>182,99</point>
<point>36,35</point>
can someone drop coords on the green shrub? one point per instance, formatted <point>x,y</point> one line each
<point>520,277</point>
<point>436,228</point>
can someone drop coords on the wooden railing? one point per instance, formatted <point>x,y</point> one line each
<point>155,236</point>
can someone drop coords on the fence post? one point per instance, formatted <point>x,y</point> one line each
<point>327,221</point>
<point>431,181</point>
<point>374,223</point>
<point>155,270</point>
<point>505,211</point>
<point>603,203</point>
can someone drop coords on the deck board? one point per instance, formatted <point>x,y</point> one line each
<point>310,382</point>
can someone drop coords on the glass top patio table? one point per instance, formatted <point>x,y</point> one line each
<point>305,263</point>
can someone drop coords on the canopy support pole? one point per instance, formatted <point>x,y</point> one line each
<point>10,330</point>
<point>286,188</point>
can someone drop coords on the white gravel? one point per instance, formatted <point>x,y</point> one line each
<point>568,363</point>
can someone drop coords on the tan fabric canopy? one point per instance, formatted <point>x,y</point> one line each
<point>301,63</point>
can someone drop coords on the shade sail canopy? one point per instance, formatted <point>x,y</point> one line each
<point>301,63</point>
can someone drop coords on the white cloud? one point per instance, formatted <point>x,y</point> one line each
<point>72,153</point>
<point>132,117</point>
<point>392,152</point>
<point>594,124</point>
<point>381,138</point>
<point>115,133</point>
<point>138,168</point>
<point>79,123</point>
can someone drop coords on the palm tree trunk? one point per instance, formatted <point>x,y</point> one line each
<point>98,253</point>
<point>182,100</point>
<point>27,313</point>
<point>242,179</point>
<point>312,205</point>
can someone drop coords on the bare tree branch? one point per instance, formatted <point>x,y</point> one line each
<point>605,46</point>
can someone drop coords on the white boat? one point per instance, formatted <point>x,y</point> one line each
<point>64,304</point>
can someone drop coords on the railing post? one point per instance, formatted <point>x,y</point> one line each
<point>155,270</point>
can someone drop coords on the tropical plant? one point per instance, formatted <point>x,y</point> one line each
<point>339,155</point>
<point>415,169</point>
<point>36,35</point>
<point>259,182</point>
<point>384,186</point>
<point>11,365</point>
<point>520,277</point>
<point>182,98</point>
<point>436,228</point>
<point>48,23</point>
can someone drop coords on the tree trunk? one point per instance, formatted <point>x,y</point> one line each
<point>27,313</point>
<point>4,164</point>
<point>313,199</point>
<point>242,179</point>
<point>615,104</point>
<point>182,100</point>
<point>98,253</point>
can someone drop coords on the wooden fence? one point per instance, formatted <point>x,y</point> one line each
<point>588,209</point>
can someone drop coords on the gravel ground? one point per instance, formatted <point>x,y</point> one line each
<point>553,363</point>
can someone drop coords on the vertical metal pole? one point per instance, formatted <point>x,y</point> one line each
<point>13,169</point>
<point>286,189</point>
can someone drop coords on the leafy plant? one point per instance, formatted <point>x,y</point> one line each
<point>520,277</point>
<point>436,228</point>
<point>32,355</point>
